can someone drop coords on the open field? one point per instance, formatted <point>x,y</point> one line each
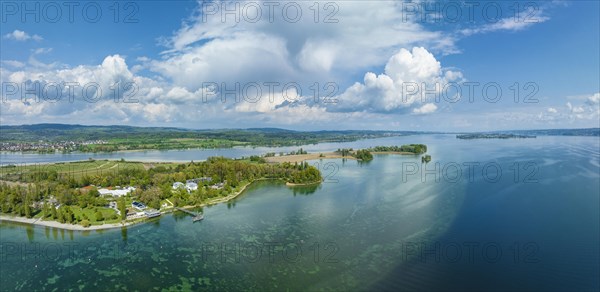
<point>120,144</point>
<point>107,213</point>
<point>76,169</point>
<point>52,138</point>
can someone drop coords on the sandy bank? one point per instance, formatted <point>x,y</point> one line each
<point>54,224</point>
<point>304,157</point>
<point>289,184</point>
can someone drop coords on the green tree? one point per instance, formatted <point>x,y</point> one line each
<point>60,216</point>
<point>425,158</point>
<point>363,155</point>
<point>99,216</point>
<point>53,213</point>
<point>27,210</point>
<point>122,208</point>
<point>85,223</point>
<point>68,215</point>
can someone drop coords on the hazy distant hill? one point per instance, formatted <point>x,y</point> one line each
<point>545,132</point>
<point>254,136</point>
<point>560,132</point>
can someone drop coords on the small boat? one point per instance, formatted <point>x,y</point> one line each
<point>198,218</point>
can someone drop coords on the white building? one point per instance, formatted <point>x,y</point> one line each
<point>178,185</point>
<point>191,186</point>
<point>116,193</point>
<point>218,186</point>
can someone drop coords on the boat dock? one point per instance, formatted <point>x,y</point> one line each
<point>197,216</point>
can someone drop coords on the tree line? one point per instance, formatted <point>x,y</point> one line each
<point>412,148</point>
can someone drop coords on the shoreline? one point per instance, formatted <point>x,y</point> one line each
<point>113,152</point>
<point>77,227</point>
<point>25,164</point>
<point>289,184</point>
<point>194,148</point>
<point>227,198</point>
<point>65,226</point>
<point>183,149</point>
<point>395,152</point>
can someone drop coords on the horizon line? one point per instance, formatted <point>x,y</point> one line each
<point>291,130</point>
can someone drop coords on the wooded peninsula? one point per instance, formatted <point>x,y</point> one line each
<point>109,192</point>
<point>100,192</point>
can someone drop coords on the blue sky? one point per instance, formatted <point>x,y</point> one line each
<point>368,60</point>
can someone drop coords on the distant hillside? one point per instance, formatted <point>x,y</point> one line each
<point>62,132</point>
<point>119,134</point>
<point>546,132</point>
<point>560,132</point>
<point>253,136</point>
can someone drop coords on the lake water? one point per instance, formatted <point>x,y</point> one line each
<point>383,225</point>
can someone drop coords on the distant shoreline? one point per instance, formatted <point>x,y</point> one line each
<point>236,144</point>
<point>117,151</point>
<point>394,152</point>
<point>493,136</point>
<point>304,157</point>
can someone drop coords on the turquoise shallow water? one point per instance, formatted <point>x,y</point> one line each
<point>382,225</point>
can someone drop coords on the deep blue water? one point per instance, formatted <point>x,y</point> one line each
<point>530,221</point>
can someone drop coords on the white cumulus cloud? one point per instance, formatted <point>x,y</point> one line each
<point>208,49</point>
<point>425,109</point>
<point>409,79</point>
<point>21,36</point>
<point>594,99</point>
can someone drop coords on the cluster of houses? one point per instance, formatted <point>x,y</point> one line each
<point>192,184</point>
<point>137,210</point>
<point>143,210</point>
<point>52,201</point>
<point>62,145</point>
<point>189,186</point>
